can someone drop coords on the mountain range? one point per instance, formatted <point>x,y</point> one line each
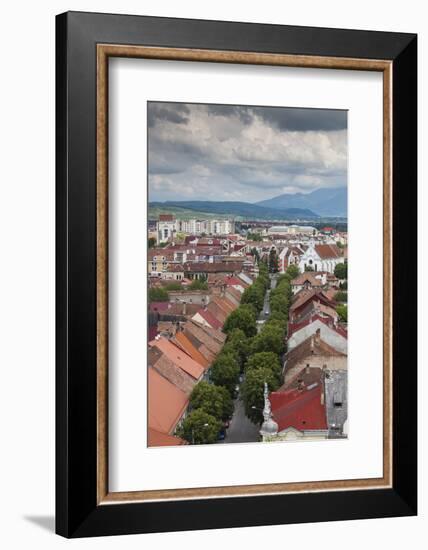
<point>242,209</point>
<point>325,202</point>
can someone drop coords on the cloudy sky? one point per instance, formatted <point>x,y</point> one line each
<point>235,153</point>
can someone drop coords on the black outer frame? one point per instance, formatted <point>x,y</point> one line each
<point>77,513</point>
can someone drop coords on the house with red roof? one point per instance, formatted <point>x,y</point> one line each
<point>302,301</point>
<point>297,413</point>
<point>289,255</point>
<point>167,404</point>
<point>207,319</point>
<point>308,280</point>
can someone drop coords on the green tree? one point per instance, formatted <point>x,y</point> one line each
<point>263,268</point>
<point>279,303</point>
<point>151,242</point>
<point>254,295</point>
<point>158,295</point>
<point>225,371</point>
<point>341,271</point>
<point>252,391</point>
<point>341,296</point>
<point>292,271</point>
<point>273,261</point>
<point>244,318</point>
<point>342,311</point>
<point>254,252</point>
<point>212,399</point>
<point>278,316</point>
<point>308,268</point>
<point>265,359</point>
<point>199,427</point>
<point>271,338</point>
<point>173,285</point>
<point>198,284</point>
<point>239,343</point>
<point>254,236</point>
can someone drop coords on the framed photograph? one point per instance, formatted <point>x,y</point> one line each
<point>236,244</point>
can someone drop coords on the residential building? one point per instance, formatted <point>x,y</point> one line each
<point>333,334</point>
<point>312,352</point>
<point>336,401</point>
<point>167,404</point>
<point>165,228</point>
<point>298,413</point>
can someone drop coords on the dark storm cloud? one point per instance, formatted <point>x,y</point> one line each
<point>304,120</point>
<point>245,114</point>
<point>287,119</point>
<point>177,113</point>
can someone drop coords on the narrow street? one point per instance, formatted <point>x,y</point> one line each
<point>265,312</point>
<point>241,429</point>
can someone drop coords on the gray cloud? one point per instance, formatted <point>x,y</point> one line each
<point>222,152</point>
<point>303,120</point>
<point>171,112</point>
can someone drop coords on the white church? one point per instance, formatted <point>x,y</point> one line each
<point>321,257</point>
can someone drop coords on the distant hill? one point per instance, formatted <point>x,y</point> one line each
<point>157,208</point>
<point>237,209</point>
<point>325,202</point>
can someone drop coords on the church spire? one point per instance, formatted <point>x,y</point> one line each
<point>269,426</point>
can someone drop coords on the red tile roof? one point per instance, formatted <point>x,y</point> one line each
<point>159,439</point>
<point>166,403</point>
<point>299,409</point>
<point>326,251</point>
<point>169,370</point>
<point>158,306</point>
<point>304,296</point>
<point>294,327</point>
<point>209,318</point>
<point>214,267</point>
<point>153,330</point>
<point>306,277</point>
<point>178,357</point>
<point>183,341</point>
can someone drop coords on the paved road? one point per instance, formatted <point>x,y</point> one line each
<point>241,429</point>
<point>265,312</point>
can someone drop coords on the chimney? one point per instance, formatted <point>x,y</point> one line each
<point>184,308</point>
<point>308,368</point>
<point>312,344</point>
<point>317,336</point>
